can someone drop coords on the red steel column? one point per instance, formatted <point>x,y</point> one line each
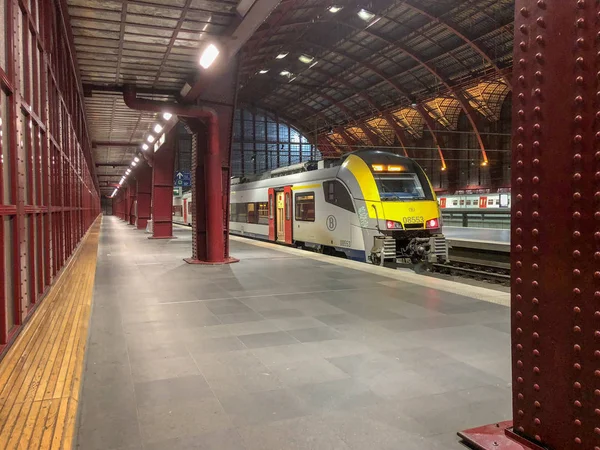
<point>555,231</point>
<point>132,200</point>
<point>144,195</point>
<point>211,173</point>
<point>163,166</point>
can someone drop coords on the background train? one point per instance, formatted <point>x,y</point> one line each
<point>370,205</point>
<point>475,201</point>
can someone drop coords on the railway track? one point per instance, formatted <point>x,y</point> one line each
<point>475,271</point>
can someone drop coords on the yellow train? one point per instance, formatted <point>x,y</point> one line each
<point>371,205</point>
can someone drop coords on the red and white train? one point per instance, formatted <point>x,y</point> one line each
<point>475,201</point>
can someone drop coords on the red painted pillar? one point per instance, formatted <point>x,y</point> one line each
<point>132,202</point>
<point>555,231</point>
<point>144,195</point>
<point>163,166</point>
<point>211,157</point>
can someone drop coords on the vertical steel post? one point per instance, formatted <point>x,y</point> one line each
<point>555,231</point>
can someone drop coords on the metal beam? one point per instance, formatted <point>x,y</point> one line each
<point>96,144</point>
<point>458,31</point>
<point>254,18</point>
<point>112,164</point>
<point>398,131</point>
<point>431,127</point>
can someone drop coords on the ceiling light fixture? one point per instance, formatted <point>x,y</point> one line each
<point>158,128</point>
<point>335,9</point>
<point>167,116</point>
<point>133,163</point>
<point>128,171</point>
<point>285,73</point>
<point>150,138</point>
<point>365,15</point>
<point>281,55</point>
<point>209,55</point>
<point>136,159</point>
<point>306,59</point>
<point>313,65</point>
<point>263,71</point>
<point>144,147</point>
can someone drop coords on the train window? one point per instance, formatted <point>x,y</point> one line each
<point>337,194</point>
<point>468,202</point>
<point>305,207</point>
<point>490,201</point>
<point>271,207</point>
<point>190,207</point>
<point>462,202</point>
<point>263,213</point>
<point>251,208</point>
<point>454,202</point>
<point>288,206</point>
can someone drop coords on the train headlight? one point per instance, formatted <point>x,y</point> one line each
<point>391,225</point>
<point>433,223</point>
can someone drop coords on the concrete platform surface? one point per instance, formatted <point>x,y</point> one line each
<point>282,351</point>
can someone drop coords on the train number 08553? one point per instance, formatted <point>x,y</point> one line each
<point>344,243</point>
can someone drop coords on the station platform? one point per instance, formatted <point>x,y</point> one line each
<point>487,239</point>
<point>286,349</point>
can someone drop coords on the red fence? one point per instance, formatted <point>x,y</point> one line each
<point>48,192</point>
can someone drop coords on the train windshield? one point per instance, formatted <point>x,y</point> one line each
<point>401,187</point>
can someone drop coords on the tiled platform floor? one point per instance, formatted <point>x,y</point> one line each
<point>280,352</point>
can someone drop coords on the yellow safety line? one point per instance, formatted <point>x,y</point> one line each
<point>40,375</point>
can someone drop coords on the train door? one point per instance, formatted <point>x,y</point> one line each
<point>287,200</point>
<point>185,211</point>
<point>271,214</point>
<point>280,217</point>
<point>442,202</point>
<point>483,202</point>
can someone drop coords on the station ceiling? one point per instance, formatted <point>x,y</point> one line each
<point>322,65</point>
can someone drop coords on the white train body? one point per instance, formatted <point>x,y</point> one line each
<point>475,201</point>
<point>374,206</point>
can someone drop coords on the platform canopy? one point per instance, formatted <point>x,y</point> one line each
<point>345,73</point>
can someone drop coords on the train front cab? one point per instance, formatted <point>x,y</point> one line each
<point>396,207</point>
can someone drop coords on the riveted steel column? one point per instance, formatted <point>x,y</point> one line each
<point>132,203</point>
<point>144,195</point>
<point>211,171</point>
<point>163,167</point>
<point>555,230</point>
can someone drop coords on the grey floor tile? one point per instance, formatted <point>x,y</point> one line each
<point>219,440</point>
<point>244,328</point>
<point>316,370</point>
<point>267,339</point>
<point>171,391</point>
<point>231,306</point>
<point>339,319</point>
<point>315,334</point>
<point>365,365</point>
<point>240,317</point>
<point>159,369</point>
<point>214,345</point>
<point>158,422</point>
<point>341,394</point>
<point>144,351</point>
<point>292,434</point>
<point>296,323</point>
<point>109,432</point>
<point>281,313</point>
<point>284,354</point>
<point>263,407</point>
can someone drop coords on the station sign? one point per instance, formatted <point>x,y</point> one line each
<point>182,179</point>
<point>177,192</point>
